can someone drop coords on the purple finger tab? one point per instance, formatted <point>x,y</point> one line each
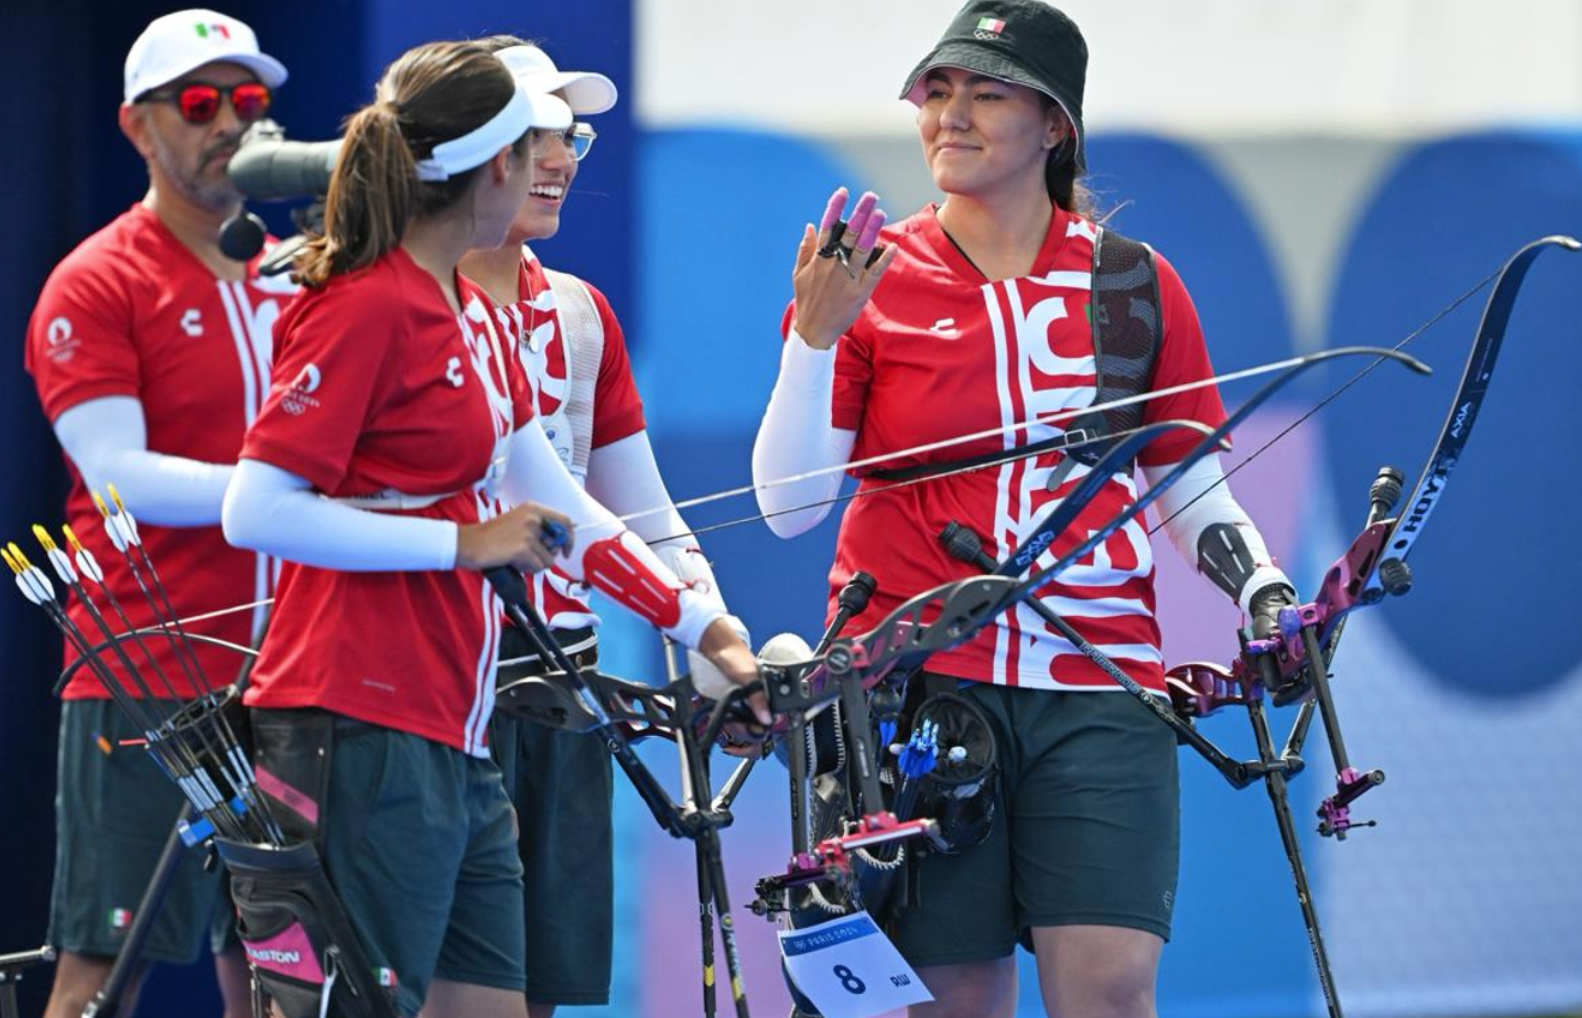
<point>870,232</point>
<point>864,209</point>
<point>832,211</point>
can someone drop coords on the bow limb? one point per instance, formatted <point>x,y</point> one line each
<point>1464,408</point>
<point>1211,442</point>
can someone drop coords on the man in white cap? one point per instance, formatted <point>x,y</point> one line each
<point>151,352</point>
<point>575,354</point>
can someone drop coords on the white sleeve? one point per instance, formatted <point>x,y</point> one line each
<point>1186,520</point>
<point>796,437</point>
<point>277,512</point>
<point>534,473</point>
<point>107,438</point>
<point>624,477</point>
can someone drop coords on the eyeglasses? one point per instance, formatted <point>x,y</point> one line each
<point>578,138</point>
<point>199,102</point>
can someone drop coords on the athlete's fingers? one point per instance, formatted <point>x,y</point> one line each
<point>560,534</point>
<point>878,268</point>
<point>868,238</point>
<point>832,210</point>
<point>759,703</point>
<point>870,232</point>
<point>804,251</point>
<point>859,217</point>
<point>532,557</point>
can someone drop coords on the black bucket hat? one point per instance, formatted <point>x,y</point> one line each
<point>1026,42</point>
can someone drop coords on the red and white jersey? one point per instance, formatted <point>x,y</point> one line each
<point>381,387</point>
<point>580,376</point>
<point>940,351</point>
<point>132,312</point>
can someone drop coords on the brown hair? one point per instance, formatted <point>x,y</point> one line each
<point>1060,171</point>
<point>431,94</point>
<point>496,43</point>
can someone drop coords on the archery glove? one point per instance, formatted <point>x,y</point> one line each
<point>1265,608</point>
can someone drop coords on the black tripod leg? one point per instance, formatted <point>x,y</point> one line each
<point>706,921</point>
<point>1275,783</point>
<point>710,844</point>
<point>107,1002</point>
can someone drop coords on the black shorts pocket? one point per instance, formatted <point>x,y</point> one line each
<point>292,754</point>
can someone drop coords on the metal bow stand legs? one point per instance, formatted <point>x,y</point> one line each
<point>621,713</point>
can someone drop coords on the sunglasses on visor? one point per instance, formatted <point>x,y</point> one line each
<point>199,102</point>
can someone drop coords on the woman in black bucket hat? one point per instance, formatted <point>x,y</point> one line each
<point>990,309</point>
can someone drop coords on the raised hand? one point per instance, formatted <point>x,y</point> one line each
<point>837,269</point>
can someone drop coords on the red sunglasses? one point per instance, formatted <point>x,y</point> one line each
<point>199,102</point>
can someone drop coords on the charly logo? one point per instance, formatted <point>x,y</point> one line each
<point>192,322</point>
<point>62,344</point>
<point>299,397</point>
<point>275,955</point>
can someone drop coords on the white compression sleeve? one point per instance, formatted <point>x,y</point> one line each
<point>534,473</point>
<point>277,512</point>
<point>624,477</point>
<point>1186,520</point>
<point>107,439</point>
<point>797,436</point>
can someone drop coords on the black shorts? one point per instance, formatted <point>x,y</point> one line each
<point>561,784</point>
<point>114,811</point>
<point>1086,830</point>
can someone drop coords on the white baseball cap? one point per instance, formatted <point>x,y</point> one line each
<point>586,91</point>
<point>177,43</point>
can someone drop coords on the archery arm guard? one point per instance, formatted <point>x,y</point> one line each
<point>1212,531</point>
<point>605,555</point>
<point>624,568</point>
<point>1230,562</point>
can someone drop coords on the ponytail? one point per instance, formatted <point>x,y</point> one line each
<point>372,195</point>
<point>431,94</point>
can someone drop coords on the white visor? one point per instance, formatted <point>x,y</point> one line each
<point>586,92</point>
<point>521,112</point>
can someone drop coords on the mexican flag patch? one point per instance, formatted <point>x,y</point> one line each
<point>120,918</point>
<point>991,26</point>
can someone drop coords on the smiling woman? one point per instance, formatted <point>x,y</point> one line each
<point>1009,303</point>
<point>392,465</point>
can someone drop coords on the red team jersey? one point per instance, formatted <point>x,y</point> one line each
<point>582,390</point>
<point>132,312</point>
<point>381,387</point>
<point>940,351</point>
